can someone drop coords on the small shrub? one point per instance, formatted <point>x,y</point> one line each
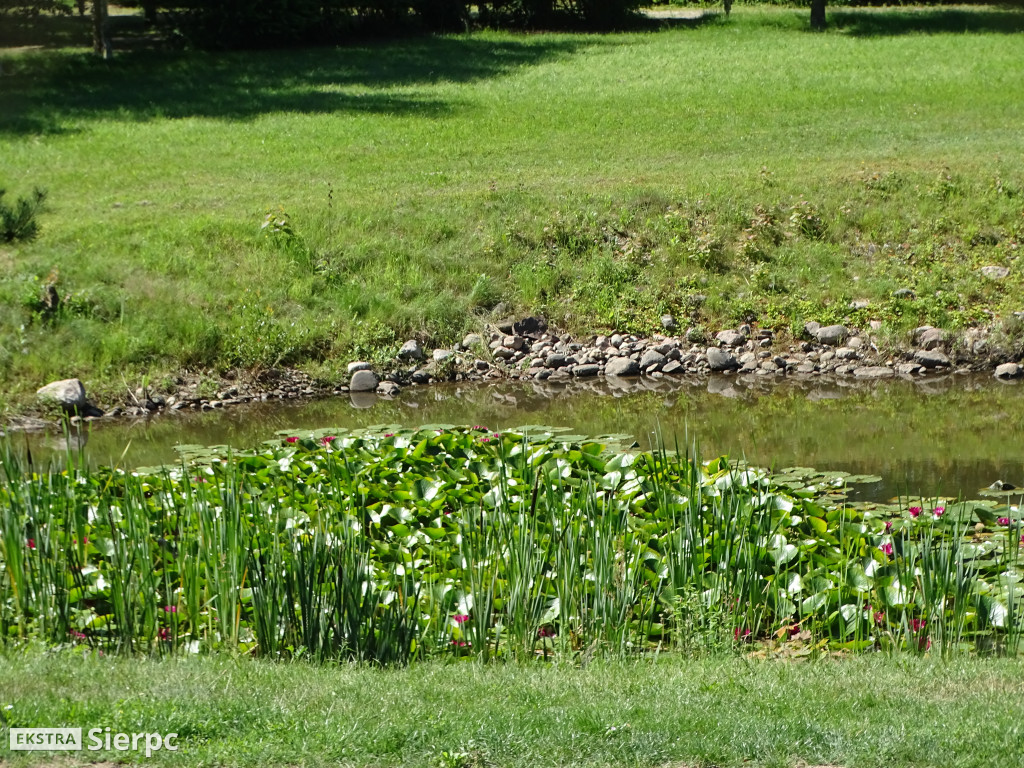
<point>806,220</point>
<point>18,222</point>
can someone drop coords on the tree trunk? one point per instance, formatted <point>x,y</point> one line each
<point>100,35</point>
<point>817,14</point>
<point>149,9</point>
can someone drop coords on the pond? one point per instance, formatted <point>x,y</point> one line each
<point>946,436</point>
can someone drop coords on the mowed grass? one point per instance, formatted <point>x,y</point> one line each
<point>599,179</point>
<point>868,711</point>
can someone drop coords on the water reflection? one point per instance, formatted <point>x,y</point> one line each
<point>940,435</point>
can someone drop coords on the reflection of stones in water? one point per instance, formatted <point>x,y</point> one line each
<point>722,385</point>
<point>75,440</point>
<point>934,386</point>
<point>362,399</point>
<point>620,384</point>
<point>816,395</point>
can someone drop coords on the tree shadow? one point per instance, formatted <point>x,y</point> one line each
<point>933,21</point>
<point>45,91</point>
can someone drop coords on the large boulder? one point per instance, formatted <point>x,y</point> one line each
<point>412,351</point>
<point>1009,371</point>
<point>69,394</point>
<point>363,381</point>
<point>832,335</point>
<point>622,366</point>
<point>731,338</point>
<point>652,358</point>
<point>721,360</point>
<point>931,358</point>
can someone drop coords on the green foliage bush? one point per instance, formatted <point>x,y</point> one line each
<point>18,222</point>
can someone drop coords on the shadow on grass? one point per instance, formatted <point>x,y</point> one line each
<point>44,91</point>
<point>933,21</point>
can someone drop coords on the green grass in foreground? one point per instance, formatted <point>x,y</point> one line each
<point>873,711</point>
<point>600,179</point>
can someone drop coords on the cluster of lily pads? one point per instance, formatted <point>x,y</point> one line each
<point>391,544</point>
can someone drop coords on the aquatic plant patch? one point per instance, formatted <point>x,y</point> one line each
<point>391,545</point>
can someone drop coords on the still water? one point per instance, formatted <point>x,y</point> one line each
<point>946,436</point>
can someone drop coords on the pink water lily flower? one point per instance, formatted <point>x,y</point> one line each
<point>292,439</point>
<point>914,511</point>
<point>886,548</point>
<point>938,511</point>
<point>888,526</point>
<point>460,618</point>
<point>1003,521</point>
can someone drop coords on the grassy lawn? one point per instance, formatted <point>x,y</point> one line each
<point>868,711</point>
<point>600,179</point>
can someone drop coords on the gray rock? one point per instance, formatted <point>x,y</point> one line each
<point>907,369</point>
<point>731,338</point>
<point>846,353</point>
<point>616,340</point>
<point>363,381</point>
<point>504,353</point>
<point>930,358</point>
<point>811,327</point>
<point>421,376</point>
<point>928,337</point>
<point>585,371</point>
<point>669,323</point>
<point>482,365</point>
<point>622,366</point>
<point>855,342</point>
<point>1009,371</point>
<point>995,273</point>
<point>721,360</point>
<point>359,365</point>
<point>529,325</point>
<point>904,293</point>
<point>873,372</point>
<point>69,394</point>
<point>860,303</point>
<point>472,340</point>
<point>556,360</point>
<point>673,367</point>
<point>440,355</point>
<point>832,335</point>
<point>388,388</point>
<point>652,358</point>
<point>411,351</point>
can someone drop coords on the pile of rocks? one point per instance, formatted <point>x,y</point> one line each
<point>528,350</point>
